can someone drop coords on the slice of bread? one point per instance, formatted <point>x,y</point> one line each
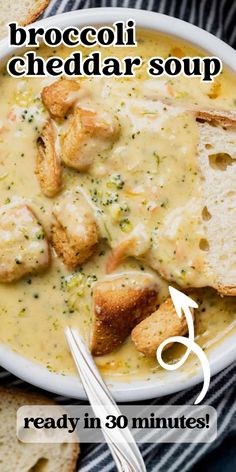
<point>217,160</point>
<point>22,11</point>
<point>213,207</point>
<point>16,456</point>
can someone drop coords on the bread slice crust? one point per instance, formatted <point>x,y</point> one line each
<point>22,11</point>
<point>61,460</point>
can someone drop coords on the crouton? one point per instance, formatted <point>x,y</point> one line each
<point>87,135</point>
<point>60,96</point>
<point>118,305</point>
<point>162,324</point>
<point>48,166</point>
<point>74,233</point>
<point>23,246</point>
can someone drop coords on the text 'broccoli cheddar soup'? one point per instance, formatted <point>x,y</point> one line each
<point>110,190</point>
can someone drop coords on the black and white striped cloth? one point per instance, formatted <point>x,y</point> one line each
<point>218,17</point>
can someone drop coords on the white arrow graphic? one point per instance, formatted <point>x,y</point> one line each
<point>183,304</point>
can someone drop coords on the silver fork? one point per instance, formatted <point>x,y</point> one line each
<point>123,447</point>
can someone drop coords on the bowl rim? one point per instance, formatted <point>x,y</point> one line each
<point>134,391</point>
<point>225,353</point>
<point>144,19</point>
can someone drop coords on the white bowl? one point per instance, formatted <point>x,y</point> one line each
<point>224,353</point>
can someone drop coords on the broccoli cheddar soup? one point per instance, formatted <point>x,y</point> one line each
<point>108,194</point>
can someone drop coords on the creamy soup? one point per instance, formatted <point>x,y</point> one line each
<point>140,186</point>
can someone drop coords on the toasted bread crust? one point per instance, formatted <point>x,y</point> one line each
<point>60,96</point>
<point>22,11</point>
<point>48,167</point>
<point>230,291</point>
<point>162,324</point>
<point>227,120</point>
<point>118,307</point>
<point>33,15</point>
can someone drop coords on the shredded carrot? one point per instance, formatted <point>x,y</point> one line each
<point>4,129</point>
<point>11,116</point>
<point>170,90</point>
<point>154,209</point>
<point>215,90</point>
<point>118,254</point>
<point>177,52</point>
<point>180,251</point>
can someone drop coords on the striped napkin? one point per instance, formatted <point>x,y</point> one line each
<point>218,17</point>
